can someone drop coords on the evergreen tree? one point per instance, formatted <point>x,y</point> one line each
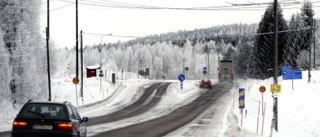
<point>307,14</point>
<point>242,59</point>
<point>264,41</point>
<point>292,50</point>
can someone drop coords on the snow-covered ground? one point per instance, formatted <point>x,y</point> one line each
<point>297,109</point>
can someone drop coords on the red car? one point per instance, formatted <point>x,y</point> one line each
<point>205,83</point>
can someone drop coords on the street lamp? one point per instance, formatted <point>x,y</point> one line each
<point>110,34</point>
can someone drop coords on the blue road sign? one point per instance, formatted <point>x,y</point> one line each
<point>241,98</point>
<point>205,68</point>
<point>181,77</point>
<point>288,73</point>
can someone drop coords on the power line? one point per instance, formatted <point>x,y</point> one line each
<point>113,4</point>
<point>234,6</point>
<point>110,35</point>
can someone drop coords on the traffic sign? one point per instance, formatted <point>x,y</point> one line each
<point>241,98</point>
<point>205,68</point>
<point>275,88</point>
<point>204,72</point>
<point>288,73</point>
<point>181,77</point>
<point>262,89</point>
<point>75,80</point>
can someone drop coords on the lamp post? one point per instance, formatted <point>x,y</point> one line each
<point>110,34</point>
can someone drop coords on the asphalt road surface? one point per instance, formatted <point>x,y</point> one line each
<point>181,116</point>
<point>136,108</point>
<point>160,126</point>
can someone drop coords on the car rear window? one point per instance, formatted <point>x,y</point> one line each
<point>49,111</point>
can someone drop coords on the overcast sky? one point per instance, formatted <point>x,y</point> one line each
<point>142,22</point>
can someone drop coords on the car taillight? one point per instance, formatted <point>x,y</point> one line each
<point>19,124</point>
<point>65,126</point>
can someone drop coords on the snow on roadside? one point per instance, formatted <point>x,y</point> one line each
<point>297,107</point>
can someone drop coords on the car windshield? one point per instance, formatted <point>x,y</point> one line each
<point>48,111</point>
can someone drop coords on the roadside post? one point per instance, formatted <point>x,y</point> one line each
<point>262,89</point>
<point>241,102</point>
<point>204,71</point>
<point>76,81</point>
<point>275,90</point>
<point>181,78</point>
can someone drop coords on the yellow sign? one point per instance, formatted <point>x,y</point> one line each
<point>275,88</point>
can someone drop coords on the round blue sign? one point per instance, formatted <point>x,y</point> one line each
<point>181,77</point>
<point>205,68</point>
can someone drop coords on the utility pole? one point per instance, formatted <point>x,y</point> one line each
<point>310,49</point>
<point>77,56</point>
<point>47,39</point>
<point>208,60</point>
<point>81,65</point>
<point>274,122</point>
<point>314,43</point>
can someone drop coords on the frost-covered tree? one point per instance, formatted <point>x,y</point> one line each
<point>5,72</point>
<point>20,24</point>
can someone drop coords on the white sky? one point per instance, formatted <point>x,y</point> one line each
<point>139,22</point>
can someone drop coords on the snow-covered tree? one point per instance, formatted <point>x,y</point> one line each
<point>5,72</point>
<point>22,38</point>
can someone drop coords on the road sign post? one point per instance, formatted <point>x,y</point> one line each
<point>241,101</point>
<point>241,98</point>
<point>262,89</point>
<point>181,78</point>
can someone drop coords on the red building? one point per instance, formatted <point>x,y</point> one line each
<point>92,71</point>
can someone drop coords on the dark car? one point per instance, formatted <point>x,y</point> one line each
<point>205,83</point>
<point>49,119</point>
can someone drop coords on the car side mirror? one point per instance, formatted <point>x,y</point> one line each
<point>84,119</point>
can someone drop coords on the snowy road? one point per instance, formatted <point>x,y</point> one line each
<point>179,117</point>
<point>144,118</point>
<point>149,99</point>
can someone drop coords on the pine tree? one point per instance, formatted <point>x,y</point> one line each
<point>264,41</point>
<point>306,41</point>
<point>292,50</point>
<point>307,14</point>
<point>243,59</point>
